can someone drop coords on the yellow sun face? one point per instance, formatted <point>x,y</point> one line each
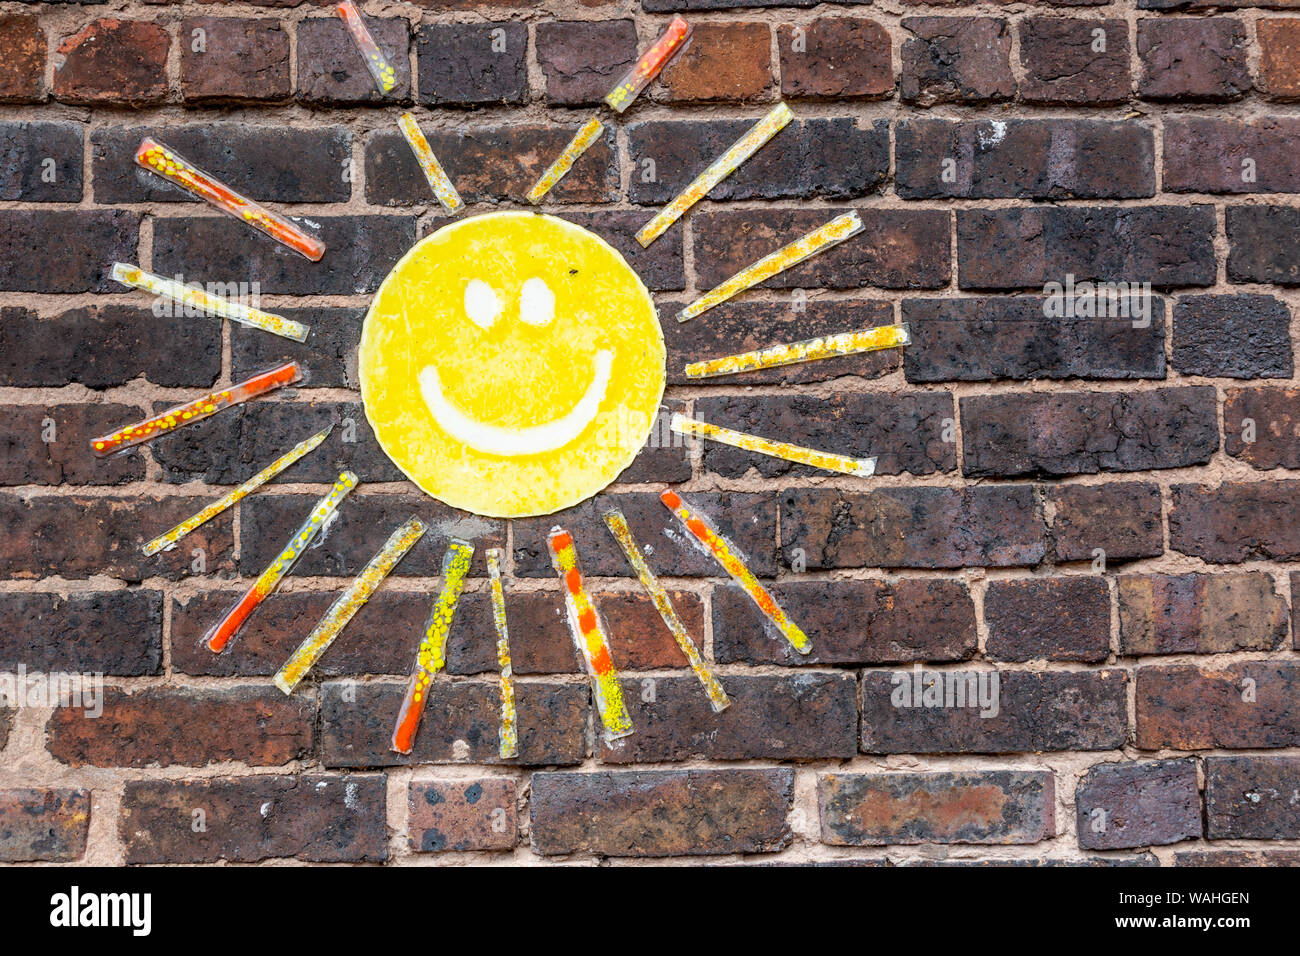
<point>511,364</point>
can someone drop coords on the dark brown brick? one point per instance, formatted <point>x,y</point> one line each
<point>329,356</point>
<point>836,57</point>
<point>1232,336</point>
<point>111,632</point>
<point>468,64</point>
<point>1252,798</point>
<point>912,527</point>
<point>1076,710</point>
<point>462,814</point>
<point>113,61</point>
<point>850,622</point>
<point>1055,619</point>
<point>728,62</point>
<point>231,60</point>
<point>1262,426</point>
<point>1264,245</point>
<point>1150,803</point>
<point>43,824</point>
<point>1237,858</point>
<point>89,240</point>
<point>190,727</point>
<point>1279,57</point>
<point>1070,433</point>
<point>1025,248</point>
<point>1200,613</point>
<point>1236,521</point>
<point>582,60</point>
<point>988,806</point>
<point>1201,59</point>
<point>50,445</point>
<point>660,267</point>
<point>1206,154</point>
<point>984,339</point>
<point>1120,518</point>
<point>1025,159</point>
<point>22,73</point>
<point>1245,705</point>
<point>956,60</point>
<point>1063,65</point>
<point>40,162</point>
<point>331,72</point>
<point>6,722</point>
<point>318,818</point>
<point>666,455</point>
<point>661,813</point>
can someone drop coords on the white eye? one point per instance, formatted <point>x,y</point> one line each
<point>481,303</point>
<point>536,302</point>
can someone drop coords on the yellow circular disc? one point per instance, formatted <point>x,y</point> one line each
<point>511,364</point>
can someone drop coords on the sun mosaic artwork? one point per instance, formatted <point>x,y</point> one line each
<point>512,364</point>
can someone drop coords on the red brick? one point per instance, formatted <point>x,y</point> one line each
<point>113,61</point>
<point>956,60</point>
<point>28,458</point>
<point>331,71</point>
<point>1252,798</point>
<point>1270,419</point>
<point>1055,619</point>
<point>1236,521</point>
<point>109,632</point>
<point>1279,57</point>
<point>1151,803</point>
<point>1120,518</point>
<point>582,60</point>
<point>81,261</point>
<point>1200,613</point>
<point>1063,67</point>
<point>240,60</point>
<point>43,824</point>
<point>1201,59</point>
<point>661,813</point>
<point>730,62</point>
<point>836,57</point>
<point>22,59</point>
<point>1250,705</point>
<point>462,814</point>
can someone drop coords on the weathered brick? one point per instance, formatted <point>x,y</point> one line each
<point>826,158</point>
<point>836,57</point>
<point>1236,521</point>
<point>1217,155</point>
<point>1279,57</point>
<point>236,60</point>
<point>468,64</point>
<point>1264,244</point>
<point>1025,159</point>
<point>1200,613</point>
<point>1149,803</point>
<point>276,163</point>
<point>43,824</point>
<point>40,162</point>
<point>956,60</point>
<point>582,60</point>
<point>661,813</point>
<point>101,346</point>
<point>332,73</point>
<point>983,339</point>
<point>190,727</point>
<point>850,622</point>
<point>111,632</point>
<point>896,249</point>
<point>1232,336</point>
<point>666,455</point>
<point>677,6</point>
<point>1063,65</point>
<point>329,356</point>
<point>1074,710</point>
<point>660,267</point>
<point>729,62</point>
<point>461,724</point>
<point>904,432</point>
<point>1055,619</point>
<point>489,164</point>
<point>50,445</point>
<point>1070,433</point>
<point>1120,518</point>
<point>113,61</point>
<point>1024,248</point>
<point>1202,58</point>
<point>6,723</point>
<point>360,251</point>
<point>89,241</point>
<point>802,716</point>
<point>988,806</point>
<point>1252,798</point>
<point>1237,858</point>
<point>22,72</point>
<point>318,818</point>
<point>1262,426</point>
<point>462,814</point>
<point>1252,705</point>
<point>912,527</point>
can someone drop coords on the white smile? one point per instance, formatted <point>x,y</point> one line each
<point>511,442</point>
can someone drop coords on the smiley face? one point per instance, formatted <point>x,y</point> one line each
<point>511,364</point>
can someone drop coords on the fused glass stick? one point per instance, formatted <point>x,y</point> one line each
<point>166,540</point>
<point>648,67</point>
<point>508,743</point>
<point>618,527</point>
<point>828,461</point>
<point>580,143</point>
<point>383,72</point>
<point>173,167</point>
<point>137,278</point>
<point>809,350</point>
<point>722,167</point>
<point>224,630</point>
<point>727,556</point>
<point>431,655</point>
<point>589,638</point>
<point>805,247</point>
<point>442,186</point>
<point>348,603</point>
<point>197,410</point>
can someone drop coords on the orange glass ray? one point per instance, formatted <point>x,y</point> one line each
<point>648,67</point>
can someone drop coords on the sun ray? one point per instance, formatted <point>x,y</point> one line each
<point>649,65</point>
<point>581,142</point>
<point>508,745</point>
<point>383,72</point>
<point>826,460</point>
<point>809,350</point>
<point>442,186</point>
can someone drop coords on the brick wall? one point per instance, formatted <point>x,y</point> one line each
<point>1101,512</point>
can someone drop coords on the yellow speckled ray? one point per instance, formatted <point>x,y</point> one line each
<point>509,739</point>
<point>348,603</point>
<point>383,72</point>
<point>809,350</point>
<point>829,461</point>
<point>442,186</point>
<point>580,143</point>
<point>722,167</point>
<point>819,240</point>
<point>623,535</point>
